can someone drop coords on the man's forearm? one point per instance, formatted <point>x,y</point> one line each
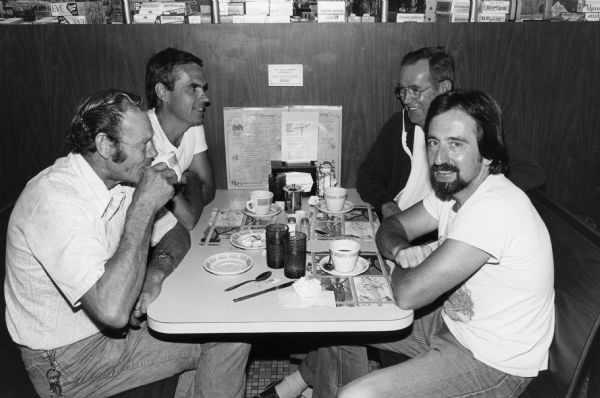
<point>169,252</point>
<point>391,237</point>
<point>187,205</point>
<point>111,298</point>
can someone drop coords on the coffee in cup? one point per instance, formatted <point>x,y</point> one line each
<point>335,198</point>
<point>260,202</point>
<point>344,254</point>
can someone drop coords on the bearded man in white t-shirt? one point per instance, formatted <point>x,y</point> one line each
<point>492,266</point>
<point>176,91</point>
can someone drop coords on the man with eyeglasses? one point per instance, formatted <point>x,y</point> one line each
<point>394,176</point>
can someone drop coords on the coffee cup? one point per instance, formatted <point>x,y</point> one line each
<point>260,202</point>
<point>170,159</point>
<point>344,254</point>
<point>335,198</point>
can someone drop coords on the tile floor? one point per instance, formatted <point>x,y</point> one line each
<point>261,372</point>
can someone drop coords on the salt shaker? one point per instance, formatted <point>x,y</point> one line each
<point>304,226</point>
<point>292,224</point>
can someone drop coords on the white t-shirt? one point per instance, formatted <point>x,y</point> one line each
<point>192,142</point>
<point>65,226</point>
<point>504,313</point>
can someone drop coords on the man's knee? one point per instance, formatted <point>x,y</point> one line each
<point>357,389</point>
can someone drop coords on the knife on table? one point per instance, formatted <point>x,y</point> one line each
<point>283,285</point>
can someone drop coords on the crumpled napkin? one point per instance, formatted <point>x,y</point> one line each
<point>297,178</point>
<point>307,293</point>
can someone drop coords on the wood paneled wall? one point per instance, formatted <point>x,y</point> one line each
<point>545,76</point>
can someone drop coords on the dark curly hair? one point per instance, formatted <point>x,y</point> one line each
<point>101,112</point>
<point>160,69</point>
<point>487,114</point>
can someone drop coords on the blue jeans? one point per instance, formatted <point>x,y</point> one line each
<point>99,366</point>
<point>440,367</point>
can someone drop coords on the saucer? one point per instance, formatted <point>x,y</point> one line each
<point>273,210</point>
<point>361,266</point>
<point>322,206</point>
<point>249,239</point>
<point>229,263</point>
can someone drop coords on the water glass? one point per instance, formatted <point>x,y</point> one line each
<point>275,237</point>
<point>295,257</point>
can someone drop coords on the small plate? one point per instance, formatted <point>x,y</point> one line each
<point>322,206</point>
<point>361,266</point>
<point>249,239</point>
<point>229,263</point>
<point>275,209</point>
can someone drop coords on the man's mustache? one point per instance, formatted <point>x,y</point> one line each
<point>443,167</point>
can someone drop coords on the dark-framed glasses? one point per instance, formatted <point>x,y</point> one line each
<point>403,92</point>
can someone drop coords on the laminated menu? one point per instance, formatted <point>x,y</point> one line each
<point>253,138</point>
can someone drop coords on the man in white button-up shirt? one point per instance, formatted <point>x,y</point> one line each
<point>78,269</point>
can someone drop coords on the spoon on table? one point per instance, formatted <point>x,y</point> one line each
<point>260,277</point>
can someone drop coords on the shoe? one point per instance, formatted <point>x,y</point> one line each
<point>269,391</point>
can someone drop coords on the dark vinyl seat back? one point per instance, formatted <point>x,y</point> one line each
<point>576,251</point>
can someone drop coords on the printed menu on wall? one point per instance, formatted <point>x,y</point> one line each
<point>253,137</point>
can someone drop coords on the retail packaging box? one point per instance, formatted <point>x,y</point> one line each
<point>257,7</point>
<point>235,9</point>
<point>10,21</point>
<point>592,16</point>
<point>367,18</point>
<point>170,19</point>
<point>281,8</point>
<point>254,18</point>
<point>459,17</point>
<point>331,7</point>
<point>354,18</point>
<point>278,19</point>
<point>180,8</point>
<point>199,18</point>
<point>20,9</point>
<point>71,8</point>
<point>205,9</point>
<point>46,21</point>
<point>494,7</point>
<point>82,19</point>
<point>144,18</point>
<point>491,17</point>
<point>460,7</point>
<point>405,17</point>
<point>223,9</point>
<point>331,18</point>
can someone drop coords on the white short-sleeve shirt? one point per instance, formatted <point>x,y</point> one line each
<point>504,313</point>
<point>64,227</point>
<point>192,142</point>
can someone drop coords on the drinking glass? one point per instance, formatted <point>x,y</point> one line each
<point>295,255</point>
<point>275,237</point>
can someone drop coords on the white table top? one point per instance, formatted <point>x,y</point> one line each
<point>193,300</point>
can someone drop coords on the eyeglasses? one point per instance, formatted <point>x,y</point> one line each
<point>403,92</point>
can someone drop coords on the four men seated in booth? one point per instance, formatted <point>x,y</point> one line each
<point>92,238</point>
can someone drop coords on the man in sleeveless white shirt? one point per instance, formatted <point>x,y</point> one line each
<point>493,267</point>
<point>176,91</point>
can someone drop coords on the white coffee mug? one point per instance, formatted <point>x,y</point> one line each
<point>335,198</point>
<point>344,254</point>
<point>170,159</point>
<point>260,202</point>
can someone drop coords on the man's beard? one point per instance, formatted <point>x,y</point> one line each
<point>445,190</point>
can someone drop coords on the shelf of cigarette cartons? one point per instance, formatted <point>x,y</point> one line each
<point>454,11</point>
<point>165,12</point>
<point>571,11</point>
<point>331,11</point>
<point>256,11</point>
<point>495,10</point>
<point>80,12</point>
<point>401,17</point>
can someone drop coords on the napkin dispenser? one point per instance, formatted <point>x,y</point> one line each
<point>279,167</point>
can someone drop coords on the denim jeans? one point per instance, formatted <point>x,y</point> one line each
<point>440,367</point>
<point>100,366</point>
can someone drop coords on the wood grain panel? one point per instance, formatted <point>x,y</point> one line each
<point>549,92</point>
